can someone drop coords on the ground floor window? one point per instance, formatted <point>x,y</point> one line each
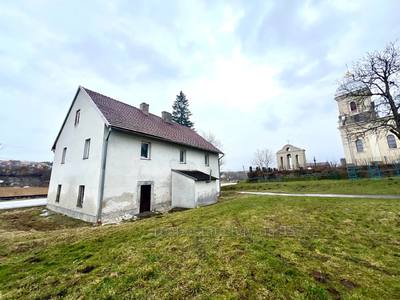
<point>58,193</point>
<point>81,194</point>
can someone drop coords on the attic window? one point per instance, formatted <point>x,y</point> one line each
<point>64,154</point>
<point>77,116</point>
<point>182,157</point>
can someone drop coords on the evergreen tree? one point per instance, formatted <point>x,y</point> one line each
<point>180,111</point>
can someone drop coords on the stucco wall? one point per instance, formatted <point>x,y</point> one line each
<point>206,192</point>
<point>125,170</point>
<point>76,170</point>
<point>183,191</point>
<point>375,149</point>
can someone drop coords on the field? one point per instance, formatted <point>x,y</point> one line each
<point>20,191</point>
<point>390,185</point>
<point>242,247</point>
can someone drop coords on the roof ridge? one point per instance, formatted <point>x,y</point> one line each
<point>109,107</point>
<point>119,101</point>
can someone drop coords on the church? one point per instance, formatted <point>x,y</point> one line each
<point>362,148</point>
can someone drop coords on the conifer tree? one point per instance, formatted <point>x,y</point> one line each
<point>180,111</point>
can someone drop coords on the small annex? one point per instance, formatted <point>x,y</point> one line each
<point>193,188</point>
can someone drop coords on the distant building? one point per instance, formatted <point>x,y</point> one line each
<point>363,148</point>
<point>291,158</point>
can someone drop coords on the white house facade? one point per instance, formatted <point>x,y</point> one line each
<point>113,161</point>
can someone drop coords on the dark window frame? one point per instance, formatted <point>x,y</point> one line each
<point>391,141</point>
<point>207,159</point>
<point>86,149</point>
<point>81,195</point>
<point>58,195</point>
<point>353,106</point>
<point>63,155</point>
<point>359,145</point>
<point>148,153</point>
<point>77,117</point>
<point>182,156</point>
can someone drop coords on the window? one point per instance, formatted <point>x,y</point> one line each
<point>391,140</point>
<point>86,149</point>
<point>58,193</point>
<point>77,116</point>
<point>359,145</point>
<point>182,157</point>
<point>206,159</point>
<point>64,153</point>
<point>353,106</point>
<point>145,150</point>
<point>81,194</point>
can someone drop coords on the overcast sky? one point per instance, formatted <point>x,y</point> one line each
<point>257,73</point>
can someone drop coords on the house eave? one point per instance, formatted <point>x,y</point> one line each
<point>133,132</point>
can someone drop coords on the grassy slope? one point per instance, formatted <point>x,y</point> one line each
<point>242,247</point>
<point>363,186</point>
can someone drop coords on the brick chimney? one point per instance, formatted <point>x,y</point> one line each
<point>144,107</point>
<point>166,116</point>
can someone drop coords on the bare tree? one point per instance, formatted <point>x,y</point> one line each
<point>263,158</point>
<point>373,83</point>
<point>211,138</point>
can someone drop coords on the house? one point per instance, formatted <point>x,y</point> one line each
<point>362,148</point>
<point>291,158</point>
<point>113,161</point>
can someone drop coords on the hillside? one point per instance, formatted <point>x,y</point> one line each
<point>24,173</point>
<point>241,247</point>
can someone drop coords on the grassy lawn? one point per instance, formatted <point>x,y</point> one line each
<point>390,185</point>
<point>20,191</point>
<point>242,247</point>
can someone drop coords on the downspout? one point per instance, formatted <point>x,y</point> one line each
<point>219,172</point>
<point>103,175</point>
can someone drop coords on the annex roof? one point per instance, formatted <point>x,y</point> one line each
<point>196,175</point>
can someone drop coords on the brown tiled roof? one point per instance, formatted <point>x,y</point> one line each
<point>126,117</point>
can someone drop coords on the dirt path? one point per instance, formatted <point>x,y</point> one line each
<point>324,195</point>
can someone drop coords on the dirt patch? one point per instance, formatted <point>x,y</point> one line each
<point>320,277</point>
<point>87,269</point>
<point>28,219</point>
<point>348,284</point>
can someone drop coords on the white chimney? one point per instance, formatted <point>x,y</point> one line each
<point>144,107</point>
<point>166,116</point>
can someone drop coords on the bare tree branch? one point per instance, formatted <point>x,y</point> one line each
<point>263,158</point>
<point>373,83</point>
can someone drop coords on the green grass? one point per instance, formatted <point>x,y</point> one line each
<point>242,247</point>
<point>390,185</point>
